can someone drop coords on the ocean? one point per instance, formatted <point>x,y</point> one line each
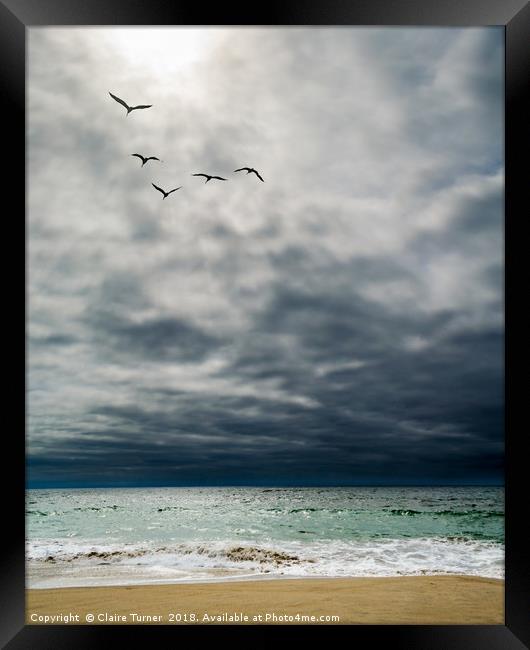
<point>117,536</point>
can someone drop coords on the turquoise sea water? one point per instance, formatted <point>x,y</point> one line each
<point>115,536</point>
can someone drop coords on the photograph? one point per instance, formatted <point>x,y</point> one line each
<point>265,325</point>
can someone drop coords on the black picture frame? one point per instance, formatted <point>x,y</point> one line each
<point>514,15</point>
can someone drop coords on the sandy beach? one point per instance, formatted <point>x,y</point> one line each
<point>444,600</point>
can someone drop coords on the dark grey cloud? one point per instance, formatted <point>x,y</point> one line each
<point>340,323</point>
<point>161,339</point>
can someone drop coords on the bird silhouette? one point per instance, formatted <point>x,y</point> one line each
<point>209,178</point>
<point>144,159</point>
<point>163,192</point>
<point>249,170</point>
<point>129,108</point>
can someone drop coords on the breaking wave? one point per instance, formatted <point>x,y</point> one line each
<point>332,559</point>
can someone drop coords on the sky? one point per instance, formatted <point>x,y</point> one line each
<point>339,324</point>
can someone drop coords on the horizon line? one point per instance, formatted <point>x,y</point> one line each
<point>275,486</point>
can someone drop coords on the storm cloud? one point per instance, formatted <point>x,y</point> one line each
<point>341,323</point>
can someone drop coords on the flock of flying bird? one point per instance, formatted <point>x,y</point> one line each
<point>145,159</point>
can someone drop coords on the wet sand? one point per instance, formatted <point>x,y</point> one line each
<point>427,600</point>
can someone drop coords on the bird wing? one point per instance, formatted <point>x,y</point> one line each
<point>205,175</point>
<point>241,169</point>
<point>158,188</point>
<point>153,158</point>
<point>139,155</point>
<point>261,179</point>
<point>133,108</point>
<point>120,101</point>
<point>219,178</point>
<point>174,190</point>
